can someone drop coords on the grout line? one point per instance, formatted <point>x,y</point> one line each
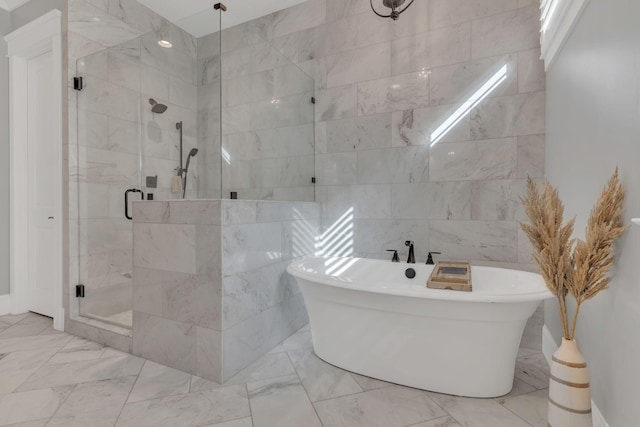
<point>129,394</point>
<point>304,388</point>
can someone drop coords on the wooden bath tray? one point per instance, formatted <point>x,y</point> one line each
<point>452,275</point>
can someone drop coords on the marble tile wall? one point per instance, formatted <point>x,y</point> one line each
<point>383,88</point>
<point>266,115</point>
<point>120,141</point>
<point>210,289</point>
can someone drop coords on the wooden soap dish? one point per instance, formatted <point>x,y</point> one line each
<point>452,275</point>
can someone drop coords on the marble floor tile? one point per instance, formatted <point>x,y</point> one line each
<point>156,381</point>
<point>12,319</point>
<point>388,406</point>
<point>299,340</point>
<point>281,402</point>
<point>320,379</point>
<point>76,350</point>
<point>268,366</point>
<point>241,422</point>
<point>26,327</point>
<point>36,342</point>
<point>200,384</point>
<point>519,387</point>
<point>36,423</point>
<point>368,383</point>
<point>530,407</point>
<point>17,367</point>
<point>477,412</point>
<point>85,371</point>
<point>193,409</point>
<point>439,422</point>
<point>524,352</point>
<point>31,405</point>
<point>533,370</point>
<point>95,404</point>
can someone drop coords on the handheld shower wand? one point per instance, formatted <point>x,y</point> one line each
<point>192,153</point>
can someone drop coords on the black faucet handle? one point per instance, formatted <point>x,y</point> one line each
<point>430,257</point>
<point>395,257</point>
<point>408,242</point>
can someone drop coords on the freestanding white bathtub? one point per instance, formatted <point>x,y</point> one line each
<point>367,317</point>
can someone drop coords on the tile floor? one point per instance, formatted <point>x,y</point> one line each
<point>48,378</point>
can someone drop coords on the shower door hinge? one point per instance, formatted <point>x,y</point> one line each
<point>313,99</point>
<point>313,179</point>
<point>79,291</point>
<point>78,84</point>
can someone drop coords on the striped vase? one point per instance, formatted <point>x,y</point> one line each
<point>569,392</point>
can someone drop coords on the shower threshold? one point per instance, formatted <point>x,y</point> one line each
<point>123,319</point>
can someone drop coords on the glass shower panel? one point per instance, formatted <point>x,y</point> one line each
<point>268,135</point>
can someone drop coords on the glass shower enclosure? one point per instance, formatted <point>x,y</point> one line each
<point>169,115</point>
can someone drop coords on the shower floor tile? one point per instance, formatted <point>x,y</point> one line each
<point>74,382</point>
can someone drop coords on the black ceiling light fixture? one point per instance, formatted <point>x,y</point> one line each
<point>394,5</point>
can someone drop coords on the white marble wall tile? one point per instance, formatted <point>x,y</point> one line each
<point>457,83</point>
<point>514,115</point>
<point>372,29</point>
<point>183,93</point>
<point>506,32</point>
<point>135,14</point>
<point>124,136</point>
<point>366,201</point>
<point>164,341</point>
<point>94,65</point>
<point>155,83</point>
<point>497,200</point>
<point>531,74</point>
<point>389,406</point>
<point>341,35</point>
<point>525,250</point>
<point>361,64</point>
<point>401,92</point>
<point>336,103</point>
<point>450,12</point>
<point>294,314</point>
<point>80,47</point>
<point>438,200</point>
<point>106,30</point>
<point>96,403</point>
<point>490,159</point>
<point>378,235</point>
<point>174,62</point>
<point>209,354</point>
<point>165,247</point>
<point>339,8</point>
<point>124,70</point>
<point>306,15</point>
<point>267,211</point>
<point>290,80</point>
<point>197,409</point>
<point>336,169</point>
<point>414,127</point>
<point>393,165</point>
<point>436,48</point>
<point>32,405</point>
<point>475,240</point>
<point>148,291</point>
<point>91,129</point>
<point>248,340</point>
<point>107,98</point>
<point>359,133</point>
<point>531,156</point>
<point>250,246</point>
<point>282,402</point>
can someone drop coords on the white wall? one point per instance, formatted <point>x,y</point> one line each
<point>5,27</point>
<point>593,124</point>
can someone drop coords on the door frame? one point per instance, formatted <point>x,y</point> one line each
<point>40,36</point>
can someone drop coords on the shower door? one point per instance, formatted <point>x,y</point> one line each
<point>128,147</point>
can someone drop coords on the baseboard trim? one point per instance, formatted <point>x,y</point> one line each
<point>5,304</point>
<point>549,346</point>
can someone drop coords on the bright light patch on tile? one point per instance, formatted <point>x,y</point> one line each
<point>484,91</point>
<point>338,243</point>
<point>226,156</point>
<point>165,43</point>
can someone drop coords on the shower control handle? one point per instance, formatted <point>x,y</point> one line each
<point>126,200</point>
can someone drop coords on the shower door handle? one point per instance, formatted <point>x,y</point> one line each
<point>126,200</point>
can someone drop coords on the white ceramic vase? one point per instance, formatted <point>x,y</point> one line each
<point>569,391</point>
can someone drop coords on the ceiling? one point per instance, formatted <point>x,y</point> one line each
<point>198,18</point>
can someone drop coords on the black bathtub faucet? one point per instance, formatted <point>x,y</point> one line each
<point>430,257</point>
<point>412,257</point>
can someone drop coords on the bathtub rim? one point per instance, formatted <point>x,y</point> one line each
<point>294,268</point>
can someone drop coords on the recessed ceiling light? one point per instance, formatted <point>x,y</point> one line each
<point>165,43</point>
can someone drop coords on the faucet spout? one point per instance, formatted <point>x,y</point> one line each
<point>412,258</point>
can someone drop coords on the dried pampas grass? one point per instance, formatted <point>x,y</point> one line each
<point>579,267</point>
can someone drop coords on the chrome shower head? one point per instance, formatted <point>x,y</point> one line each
<point>156,107</point>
